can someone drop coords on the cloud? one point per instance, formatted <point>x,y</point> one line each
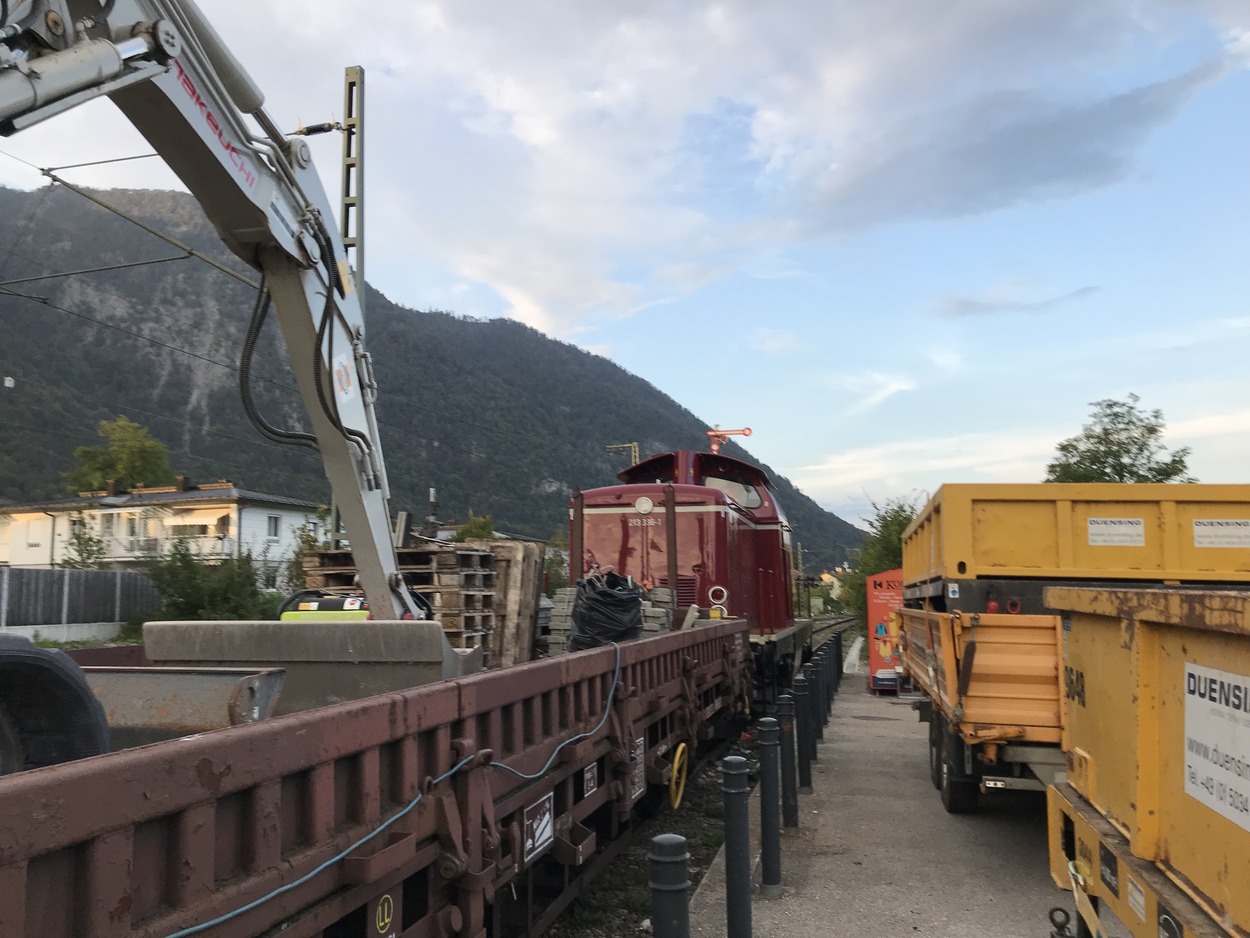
<point>872,388</point>
<point>775,341</point>
<point>586,161</point>
<point>1005,299</point>
<point>998,150</point>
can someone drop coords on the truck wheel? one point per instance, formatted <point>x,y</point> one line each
<point>960,794</point>
<point>935,750</point>
<point>48,713</point>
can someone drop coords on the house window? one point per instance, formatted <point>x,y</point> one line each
<point>188,530</point>
<point>274,521</point>
<point>132,526</point>
<point>106,525</point>
<point>77,526</point>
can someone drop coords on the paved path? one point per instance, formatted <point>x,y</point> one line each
<point>875,853</point>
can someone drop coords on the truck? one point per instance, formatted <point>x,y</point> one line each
<point>978,639</point>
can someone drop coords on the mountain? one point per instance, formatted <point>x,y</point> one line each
<point>499,418</point>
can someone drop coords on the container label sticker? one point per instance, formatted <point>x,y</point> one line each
<point>1217,741</point>
<point>1137,898</point>
<point>1116,532</point>
<point>1109,869</point>
<point>1221,532</point>
<point>539,826</point>
<point>590,779</point>
<point>1169,925</point>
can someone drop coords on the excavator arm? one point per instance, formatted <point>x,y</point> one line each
<point>165,67</point>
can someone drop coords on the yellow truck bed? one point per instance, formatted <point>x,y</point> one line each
<point>1096,531</point>
<point>1006,690</point>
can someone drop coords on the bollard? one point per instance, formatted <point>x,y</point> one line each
<point>789,784</point>
<point>770,807</point>
<point>670,887</point>
<point>737,788</point>
<point>838,662</point>
<point>803,740</point>
<point>813,700</point>
<point>830,687</point>
<point>822,667</point>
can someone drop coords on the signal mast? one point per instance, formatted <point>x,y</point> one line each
<point>717,436</point>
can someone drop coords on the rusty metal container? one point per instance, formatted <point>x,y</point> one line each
<point>1157,732</point>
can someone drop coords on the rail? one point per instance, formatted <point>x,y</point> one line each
<point>320,822</point>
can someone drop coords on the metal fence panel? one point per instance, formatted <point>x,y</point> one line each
<point>48,597</point>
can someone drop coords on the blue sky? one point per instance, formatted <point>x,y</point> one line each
<point>906,242</point>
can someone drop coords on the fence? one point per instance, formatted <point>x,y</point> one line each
<point>30,597</point>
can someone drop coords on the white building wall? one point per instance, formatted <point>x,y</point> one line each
<point>213,531</point>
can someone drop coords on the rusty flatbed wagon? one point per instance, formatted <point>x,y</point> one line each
<point>474,806</point>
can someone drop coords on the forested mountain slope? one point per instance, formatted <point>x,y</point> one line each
<point>501,419</point>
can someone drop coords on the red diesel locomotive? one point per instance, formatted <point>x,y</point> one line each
<point>710,527</point>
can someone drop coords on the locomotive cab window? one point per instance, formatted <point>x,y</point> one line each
<point>743,493</point>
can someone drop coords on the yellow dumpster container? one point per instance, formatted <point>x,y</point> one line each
<point>1076,531</point>
<point>1154,816</point>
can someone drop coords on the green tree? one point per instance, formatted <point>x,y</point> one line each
<point>129,457</point>
<point>83,551</point>
<point>882,550</point>
<point>480,527</point>
<point>194,589</point>
<point>1121,443</point>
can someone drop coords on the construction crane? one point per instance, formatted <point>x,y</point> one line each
<point>719,437</point>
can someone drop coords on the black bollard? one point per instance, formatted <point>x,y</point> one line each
<point>770,807</point>
<point>822,670</point>
<point>803,734</point>
<point>670,887</point>
<point>830,686</point>
<point>789,784</point>
<point>838,662</point>
<point>813,700</point>
<point>737,788</point>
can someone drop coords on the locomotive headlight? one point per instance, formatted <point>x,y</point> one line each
<point>643,505</point>
<point>717,595</point>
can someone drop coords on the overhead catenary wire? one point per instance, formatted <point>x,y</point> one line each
<point>127,265</point>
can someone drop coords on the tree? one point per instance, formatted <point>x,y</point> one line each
<point>83,551</point>
<point>130,457</point>
<point>194,589</point>
<point>478,527</point>
<point>882,550</point>
<point>1121,443</point>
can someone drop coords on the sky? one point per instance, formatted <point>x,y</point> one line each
<point>905,242</point>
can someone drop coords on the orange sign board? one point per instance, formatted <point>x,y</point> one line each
<point>885,594</point>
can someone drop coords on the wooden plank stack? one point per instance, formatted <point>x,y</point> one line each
<point>458,581</point>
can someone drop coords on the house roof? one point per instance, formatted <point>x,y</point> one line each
<point>154,499</point>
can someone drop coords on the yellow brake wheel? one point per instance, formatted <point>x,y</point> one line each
<point>677,782</point>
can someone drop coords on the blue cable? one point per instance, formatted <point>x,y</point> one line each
<point>607,710</point>
<point>256,903</point>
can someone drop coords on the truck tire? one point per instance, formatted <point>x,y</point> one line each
<point>935,750</point>
<point>48,713</point>
<point>960,794</point>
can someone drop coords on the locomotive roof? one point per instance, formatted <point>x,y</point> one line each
<point>687,467</point>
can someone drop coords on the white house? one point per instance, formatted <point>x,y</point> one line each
<point>216,520</point>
